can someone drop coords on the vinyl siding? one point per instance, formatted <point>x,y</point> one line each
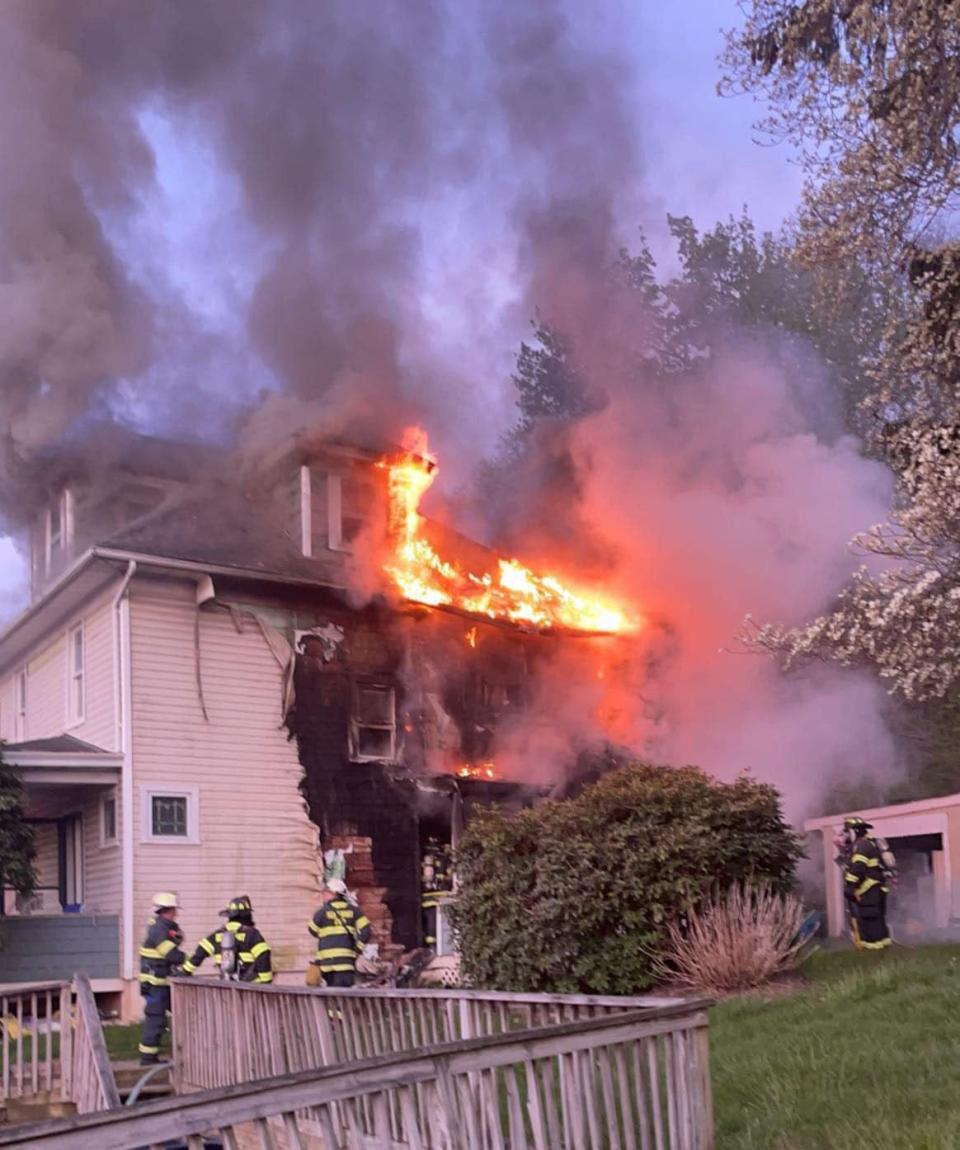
<point>47,684</point>
<point>254,834</point>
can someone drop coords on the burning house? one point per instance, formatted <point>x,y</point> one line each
<point>225,670</point>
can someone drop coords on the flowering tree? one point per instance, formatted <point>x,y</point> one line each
<point>869,94</point>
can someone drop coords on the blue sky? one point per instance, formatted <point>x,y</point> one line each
<point>699,158</point>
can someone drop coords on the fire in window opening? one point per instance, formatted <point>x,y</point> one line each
<point>373,727</point>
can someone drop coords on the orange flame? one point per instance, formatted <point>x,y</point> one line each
<point>471,636</point>
<point>478,771</point>
<point>513,592</point>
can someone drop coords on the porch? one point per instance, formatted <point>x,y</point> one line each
<point>70,923</point>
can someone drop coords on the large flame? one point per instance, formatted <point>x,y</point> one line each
<point>511,592</point>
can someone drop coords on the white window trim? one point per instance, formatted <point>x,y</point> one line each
<point>110,796</point>
<point>20,716</point>
<point>76,718</point>
<point>306,512</point>
<point>355,725</point>
<point>176,791</point>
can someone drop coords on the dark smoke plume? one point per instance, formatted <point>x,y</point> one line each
<point>370,143</point>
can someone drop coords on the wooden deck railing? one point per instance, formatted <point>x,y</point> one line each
<point>261,1032</point>
<point>30,1020</point>
<point>52,1046</point>
<point>630,1080</point>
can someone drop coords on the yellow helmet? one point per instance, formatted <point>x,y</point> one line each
<point>165,900</point>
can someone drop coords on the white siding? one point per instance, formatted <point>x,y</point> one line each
<point>254,834</point>
<point>47,683</point>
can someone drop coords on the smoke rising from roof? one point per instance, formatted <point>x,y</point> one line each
<point>355,135</point>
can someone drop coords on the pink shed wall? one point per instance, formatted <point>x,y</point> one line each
<point>254,835</point>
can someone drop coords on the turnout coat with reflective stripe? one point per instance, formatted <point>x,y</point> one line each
<point>341,932</point>
<point>253,952</point>
<point>160,953</point>
<point>864,872</point>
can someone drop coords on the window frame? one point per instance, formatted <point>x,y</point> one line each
<point>173,791</point>
<point>58,542</point>
<point>21,696</point>
<point>355,725</point>
<point>105,839</point>
<point>76,714</point>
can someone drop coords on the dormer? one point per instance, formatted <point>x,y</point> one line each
<point>338,492</point>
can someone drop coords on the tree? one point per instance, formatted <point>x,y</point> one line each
<point>577,895</point>
<point>870,95</point>
<point>17,840</point>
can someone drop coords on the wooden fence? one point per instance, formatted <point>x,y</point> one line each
<point>261,1032</point>
<point>52,1046</point>
<point>626,1080</point>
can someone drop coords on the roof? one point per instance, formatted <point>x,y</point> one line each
<point>894,810</point>
<point>222,527</point>
<point>59,744</point>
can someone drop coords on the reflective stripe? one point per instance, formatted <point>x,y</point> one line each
<point>327,931</point>
<point>361,922</point>
<point>866,861</point>
<point>336,967</point>
<point>260,948</point>
<point>189,967</point>
<point>875,945</point>
<point>335,952</point>
<point>867,884</point>
<point>266,976</point>
<point>164,948</point>
<point>208,946</point>
<point>851,877</point>
<point>246,957</point>
<point>148,1049</point>
<point>149,952</point>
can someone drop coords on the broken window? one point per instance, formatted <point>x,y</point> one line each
<point>373,727</point>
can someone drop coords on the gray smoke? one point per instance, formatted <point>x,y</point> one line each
<point>370,144</point>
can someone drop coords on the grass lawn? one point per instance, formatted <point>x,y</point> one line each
<point>122,1042</point>
<point>867,1058</point>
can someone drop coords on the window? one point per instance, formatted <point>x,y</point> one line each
<point>170,814</point>
<point>20,715</point>
<point>75,686</point>
<point>332,510</point>
<point>59,528</point>
<point>108,820</point>
<point>373,729</point>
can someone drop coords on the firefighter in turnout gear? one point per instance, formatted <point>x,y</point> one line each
<point>435,882</point>
<point>238,949</point>
<point>159,956</point>
<point>867,873</point>
<point>341,932</point>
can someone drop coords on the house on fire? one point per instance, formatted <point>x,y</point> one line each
<point>198,701</point>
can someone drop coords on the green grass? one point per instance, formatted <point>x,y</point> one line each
<point>868,1057</point>
<point>122,1042</point>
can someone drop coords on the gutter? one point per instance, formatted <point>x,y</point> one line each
<point>124,741</point>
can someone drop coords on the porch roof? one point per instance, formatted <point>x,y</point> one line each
<point>63,759</point>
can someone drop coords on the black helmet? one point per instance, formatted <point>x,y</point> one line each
<point>855,823</point>
<point>239,907</point>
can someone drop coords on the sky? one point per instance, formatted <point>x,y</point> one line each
<point>699,158</point>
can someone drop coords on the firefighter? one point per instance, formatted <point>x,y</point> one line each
<point>238,949</point>
<point>159,956</point>
<point>435,882</point>
<point>866,878</point>
<point>342,932</point>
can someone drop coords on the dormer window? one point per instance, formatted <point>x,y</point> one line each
<point>58,529</point>
<point>330,510</point>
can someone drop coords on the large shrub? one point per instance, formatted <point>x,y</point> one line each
<point>577,895</point>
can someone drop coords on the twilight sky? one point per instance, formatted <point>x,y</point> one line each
<point>697,156</point>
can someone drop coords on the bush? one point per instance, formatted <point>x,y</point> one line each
<point>577,895</point>
<point>736,941</point>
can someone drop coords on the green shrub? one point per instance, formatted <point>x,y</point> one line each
<point>576,895</point>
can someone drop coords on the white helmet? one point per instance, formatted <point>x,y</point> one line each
<point>165,900</point>
<point>336,885</point>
